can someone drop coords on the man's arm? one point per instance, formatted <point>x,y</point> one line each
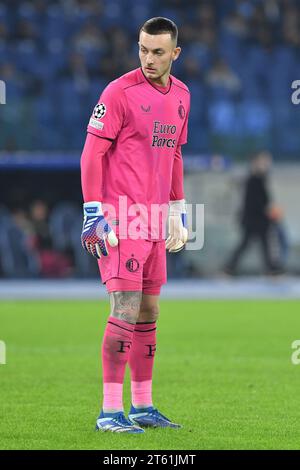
<point>104,126</point>
<point>177,191</point>
<point>178,233</point>
<point>95,230</point>
<point>91,167</point>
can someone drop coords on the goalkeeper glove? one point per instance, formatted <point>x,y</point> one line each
<point>96,230</point>
<point>178,233</point>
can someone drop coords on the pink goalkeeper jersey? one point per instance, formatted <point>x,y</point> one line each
<point>146,126</point>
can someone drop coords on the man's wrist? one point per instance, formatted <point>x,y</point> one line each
<point>92,208</point>
<point>177,207</point>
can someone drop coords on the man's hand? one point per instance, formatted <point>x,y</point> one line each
<point>178,233</point>
<point>96,230</point>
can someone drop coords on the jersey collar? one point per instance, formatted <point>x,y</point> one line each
<point>162,90</point>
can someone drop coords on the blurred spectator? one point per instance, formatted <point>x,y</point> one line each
<point>255,216</point>
<point>272,10</point>
<point>3,31</point>
<point>17,259</point>
<point>191,70</point>
<point>52,263</point>
<point>39,220</point>
<point>23,222</point>
<point>90,39</point>
<point>236,25</point>
<point>222,78</point>
<point>10,75</point>
<point>25,30</point>
<point>77,71</point>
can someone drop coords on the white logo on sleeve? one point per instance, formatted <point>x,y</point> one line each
<point>99,110</point>
<point>96,124</point>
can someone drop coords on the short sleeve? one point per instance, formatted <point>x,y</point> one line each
<point>109,113</point>
<point>184,132</point>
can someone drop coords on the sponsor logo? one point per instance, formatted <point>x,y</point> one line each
<point>91,210</point>
<point>161,128</point>
<point>146,110</point>
<point>96,124</point>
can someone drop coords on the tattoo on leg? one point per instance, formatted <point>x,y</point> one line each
<point>126,305</point>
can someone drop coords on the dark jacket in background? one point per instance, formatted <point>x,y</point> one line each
<point>256,201</point>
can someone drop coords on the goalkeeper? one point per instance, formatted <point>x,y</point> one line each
<point>133,154</point>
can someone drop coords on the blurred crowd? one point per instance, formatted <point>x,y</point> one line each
<point>38,242</point>
<point>41,241</point>
<point>239,60</point>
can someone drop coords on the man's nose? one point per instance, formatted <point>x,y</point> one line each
<point>149,59</point>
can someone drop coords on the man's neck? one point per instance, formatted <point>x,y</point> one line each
<point>162,81</point>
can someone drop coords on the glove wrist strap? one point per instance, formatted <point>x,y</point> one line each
<point>177,207</point>
<point>92,208</point>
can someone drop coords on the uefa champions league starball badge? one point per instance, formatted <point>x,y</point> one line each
<point>99,111</point>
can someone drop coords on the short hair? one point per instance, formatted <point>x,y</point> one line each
<point>160,25</point>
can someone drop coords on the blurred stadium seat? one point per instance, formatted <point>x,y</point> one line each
<point>259,49</point>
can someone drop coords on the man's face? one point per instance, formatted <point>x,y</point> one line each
<point>157,53</point>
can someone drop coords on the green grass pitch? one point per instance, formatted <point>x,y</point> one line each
<point>223,369</point>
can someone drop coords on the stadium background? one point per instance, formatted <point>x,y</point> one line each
<point>239,60</point>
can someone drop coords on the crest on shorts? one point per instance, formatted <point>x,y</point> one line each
<point>99,111</point>
<point>132,265</point>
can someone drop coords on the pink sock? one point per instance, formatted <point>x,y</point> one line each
<point>116,345</point>
<point>141,360</point>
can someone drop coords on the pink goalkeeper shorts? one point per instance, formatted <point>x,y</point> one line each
<point>135,265</point>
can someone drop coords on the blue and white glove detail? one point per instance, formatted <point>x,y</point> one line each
<point>96,230</point>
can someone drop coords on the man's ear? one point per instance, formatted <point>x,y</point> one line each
<point>176,53</point>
